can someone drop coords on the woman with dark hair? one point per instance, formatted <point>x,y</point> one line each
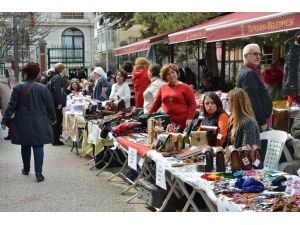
<point>176,98</point>
<point>151,91</point>
<point>214,115</point>
<point>74,86</point>
<point>33,109</point>
<point>121,90</point>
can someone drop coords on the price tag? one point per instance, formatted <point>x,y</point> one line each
<point>132,158</point>
<point>256,163</point>
<point>219,136</point>
<point>160,175</point>
<point>245,161</point>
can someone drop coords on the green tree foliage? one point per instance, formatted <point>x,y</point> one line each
<point>120,20</point>
<point>156,22</point>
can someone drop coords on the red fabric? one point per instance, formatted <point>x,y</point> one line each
<point>140,83</point>
<point>141,149</point>
<point>272,76</point>
<point>178,102</point>
<point>293,98</point>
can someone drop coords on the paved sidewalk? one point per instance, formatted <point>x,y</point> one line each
<point>69,185</point>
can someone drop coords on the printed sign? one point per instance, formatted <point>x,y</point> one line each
<point>132,158</point>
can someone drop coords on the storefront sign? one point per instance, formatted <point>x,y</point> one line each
<point>266,26</point>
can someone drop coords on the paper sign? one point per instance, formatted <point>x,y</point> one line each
<point>160,175</point>
<point>132,158</point>
<point>221,206</point>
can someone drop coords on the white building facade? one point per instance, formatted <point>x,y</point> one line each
<point>71,40</point>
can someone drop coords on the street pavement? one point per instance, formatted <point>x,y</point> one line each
<point>69,186</point>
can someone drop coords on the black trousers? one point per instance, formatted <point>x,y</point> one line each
<point>57,127</point>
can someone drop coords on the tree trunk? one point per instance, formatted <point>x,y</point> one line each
<point>16,48</point>
<point>212,64</point>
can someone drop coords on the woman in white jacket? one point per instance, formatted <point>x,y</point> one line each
<point>121,90</point>
<point>152,90</point>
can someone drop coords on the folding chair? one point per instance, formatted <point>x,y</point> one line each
<point>276,143</point>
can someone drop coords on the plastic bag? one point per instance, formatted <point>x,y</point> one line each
<point>3,132</point>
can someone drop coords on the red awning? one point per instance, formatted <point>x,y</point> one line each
<point>139,46</point>
<point>200,31</point>
<point>258,23</point>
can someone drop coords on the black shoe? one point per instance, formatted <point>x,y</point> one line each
<point>25,172</point>
<point>58,143</point>
<point>8,138</point>
<point>39,177</point>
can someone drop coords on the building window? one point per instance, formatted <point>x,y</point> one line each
<point>72,38</point>
<point>72,15</point>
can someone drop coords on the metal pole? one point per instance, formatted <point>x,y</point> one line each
<point>106,49</point>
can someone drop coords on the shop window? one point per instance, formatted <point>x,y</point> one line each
<point>267,59</point>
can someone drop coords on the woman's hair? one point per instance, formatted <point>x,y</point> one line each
<point>127,66</point>
<point>123,74</point>
<point>78,85</point>
<point>165,70</point>
<point>216,100</point>
<point>241,108</point>
<point>155,69</point>
<point>142,62</point>
<point>59,67</point>
<point>31,70</point>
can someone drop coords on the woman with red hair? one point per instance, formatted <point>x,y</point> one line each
<point>140,80</point>
<point>176,98</point>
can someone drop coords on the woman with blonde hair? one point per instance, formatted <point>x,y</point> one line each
<point>140,80</point>
<point>243,128</point>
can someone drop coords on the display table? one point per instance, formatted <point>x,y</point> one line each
<point>92,143</point>
<point>72,123</point>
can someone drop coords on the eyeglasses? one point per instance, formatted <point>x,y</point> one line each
<point>256,54</point>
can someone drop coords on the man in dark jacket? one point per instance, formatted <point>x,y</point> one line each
<point>248,78</point>
<point>33,110</point>
<point>56,85</point>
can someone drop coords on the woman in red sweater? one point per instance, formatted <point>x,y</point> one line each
<point>140,80</point>
<point>176,98</point>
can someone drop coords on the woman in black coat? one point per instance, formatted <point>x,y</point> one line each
<point>33,109</point>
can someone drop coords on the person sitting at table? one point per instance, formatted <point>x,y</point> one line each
<point>73,87</point>
<point>214,115</point>
<point>121,90</point>
<point>151,92</point>
<point>176,98</point>
<point>243,128</point>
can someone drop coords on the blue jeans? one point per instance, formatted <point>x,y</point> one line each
<point>38,153</point>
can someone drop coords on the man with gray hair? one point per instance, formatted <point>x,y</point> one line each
<point>248,78</point>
